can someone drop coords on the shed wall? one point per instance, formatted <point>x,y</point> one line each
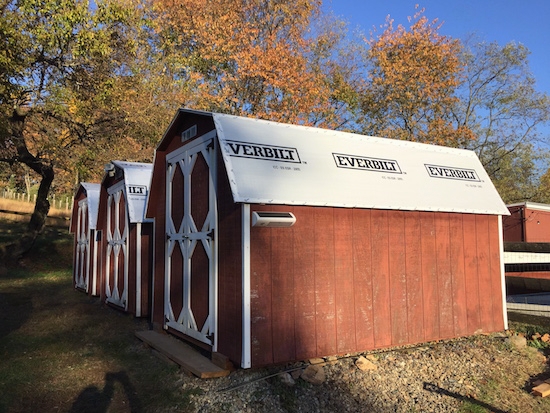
<point>230,300</point>
<point>537,225</point>
<point>346,280</point>
<point>512,225</point>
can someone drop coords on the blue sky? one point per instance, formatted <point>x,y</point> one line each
<point>502,21</point>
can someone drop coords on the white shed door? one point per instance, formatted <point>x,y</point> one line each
<point>82,256</point>
<point>191,259</point>
<point>116,269</point>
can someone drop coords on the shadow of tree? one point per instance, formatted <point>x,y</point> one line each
<point>15,309</point>
<point>439,390</point>
<point>92,400</point>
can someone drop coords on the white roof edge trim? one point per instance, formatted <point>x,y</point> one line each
<point>531,205</point>
<point>273,163</point>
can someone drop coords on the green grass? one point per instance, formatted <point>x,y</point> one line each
<point>61,350</point>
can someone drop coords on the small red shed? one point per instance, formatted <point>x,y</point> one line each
<point>527,247</point>
<point>527,222</point>
<point>86,245</point>
<point>276,243</point>
<point>126,237</point>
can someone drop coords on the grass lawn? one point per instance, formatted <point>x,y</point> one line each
<point>61,350</point>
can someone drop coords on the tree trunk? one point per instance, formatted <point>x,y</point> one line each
<point>12,253</point>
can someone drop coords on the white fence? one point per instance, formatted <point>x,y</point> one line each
<point>59,203</point>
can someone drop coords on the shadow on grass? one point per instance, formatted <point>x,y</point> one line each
<point>14,312</point>
<point>439,390</point>
<point>92,400</point>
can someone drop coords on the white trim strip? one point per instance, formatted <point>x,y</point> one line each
<point>138,269</point>
<point>511,257</point>
<point>502,277</point>
<point>246,361</point>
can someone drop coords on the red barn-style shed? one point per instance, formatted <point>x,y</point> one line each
<point>527,222</point>
<point>83,225</point>
<point>276,243</point>
<point>126,237</point>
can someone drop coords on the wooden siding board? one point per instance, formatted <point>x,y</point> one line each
<point>230,298</point>
<point>460,318</point>
<point>381,279</point>
<point>471,271</point>
<point>261,292</point>
<point>325,312</point>
<point>484,273</point>
<point>345,284</point>
<point>429,276</point>
<point>362,269</point>
<point>398,277</point>
<point>444,278</point>
<point>282,264</point>
<point>496,284</point>
<point>304,283</point>
<point>133,234</point>
<point>413,267</point>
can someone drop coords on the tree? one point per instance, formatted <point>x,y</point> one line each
<point>63,62</point>
<point>412,76</point>
<point>255,58</point>
<point>499,103</point>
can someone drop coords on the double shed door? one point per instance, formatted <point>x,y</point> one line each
<point>116,265</point>
<point>82,248</point>
<point>190,294</point>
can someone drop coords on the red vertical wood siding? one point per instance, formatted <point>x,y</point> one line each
<point>381,278</point>
<point>495,284</point>
<point>230,302</point>
<point>362,275</point>
<point>444,278</point>
<point>304,283</point>
<point>325,311</point>
<point>472,276</point>
<point>282,301</point>
<point>397,278</point>
<point>460,318</point>
<point>261,291</point>
<point>366,279</point>
<point>428,254</point>
<point>413,268</point>
<point>484,273</point>
<point>345,283</point>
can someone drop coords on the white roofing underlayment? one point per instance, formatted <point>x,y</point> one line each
<point>274,163</point>
<point>137,181</point>
<point>92,198</point>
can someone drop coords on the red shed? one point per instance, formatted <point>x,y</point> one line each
<point>527,247</point>
<point>527,222</point>
<point>86,245</point>
<point>277,243</point>
<point>127,237</point>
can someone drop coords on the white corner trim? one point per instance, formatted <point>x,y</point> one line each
<point>246,361</point>
<point>502,277</point>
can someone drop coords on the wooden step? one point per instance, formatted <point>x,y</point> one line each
<point>181,353</point>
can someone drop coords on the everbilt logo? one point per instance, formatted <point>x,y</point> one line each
<point>265,152</point>
<point>449,172</point>
<point>137,190</point>
<point>364,163</point>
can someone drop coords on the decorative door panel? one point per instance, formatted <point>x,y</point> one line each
<point>116,269</point>
<point>82,253</point>
<point>191,271</point>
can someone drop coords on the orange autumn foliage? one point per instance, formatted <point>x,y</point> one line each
<point>411,85</point>
<point>251,58</point>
